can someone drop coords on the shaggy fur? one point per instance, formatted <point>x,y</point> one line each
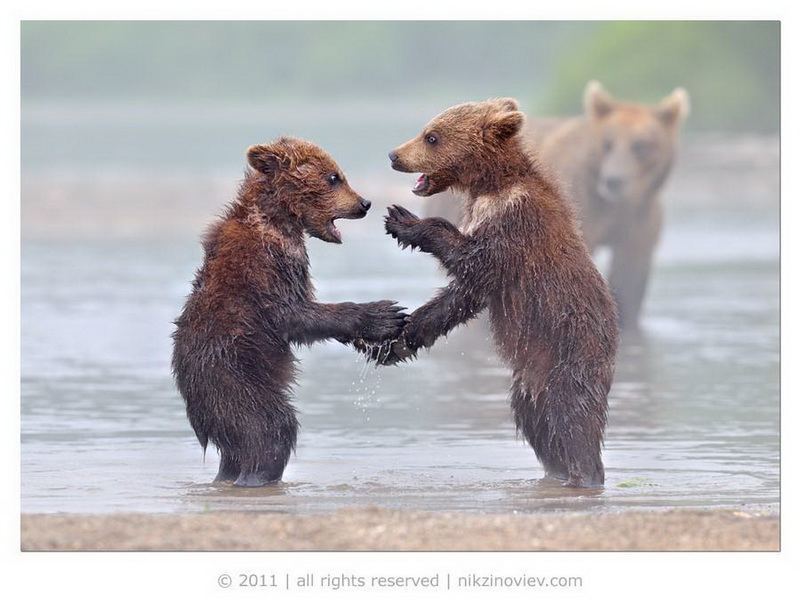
<point>253,299</point>
<point>520,255</point>
<point>614,161</point>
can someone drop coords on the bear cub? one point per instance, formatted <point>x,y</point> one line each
<point>253,299</point>
<point>520,255</point>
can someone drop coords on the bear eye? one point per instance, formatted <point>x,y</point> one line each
<point>431,139</point>
<point>334,179</point>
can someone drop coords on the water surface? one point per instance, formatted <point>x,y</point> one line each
<point>694,410</point>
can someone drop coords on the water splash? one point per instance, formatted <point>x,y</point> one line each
<point>366,391</point>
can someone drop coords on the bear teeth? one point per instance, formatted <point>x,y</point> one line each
<point>335,231</point>
<point>422,183</point>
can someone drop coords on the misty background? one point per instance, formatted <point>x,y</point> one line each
<point>106,104</point>
<point>730,68</point>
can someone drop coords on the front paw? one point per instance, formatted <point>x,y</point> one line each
<point>388,353</point>
<point>401,224</point>
<point>381,322</point>
<point>416,336</point>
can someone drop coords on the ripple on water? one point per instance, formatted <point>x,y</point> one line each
<point>693,412</point>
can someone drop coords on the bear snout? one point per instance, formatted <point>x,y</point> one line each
<point>356,209</point>
<point>398,165</point>
<point>613,184</point>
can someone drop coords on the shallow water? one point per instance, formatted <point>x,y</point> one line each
<point>694,410</point>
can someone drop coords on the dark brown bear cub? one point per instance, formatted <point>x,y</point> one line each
<point>252,299</point>
<point>519,254</point>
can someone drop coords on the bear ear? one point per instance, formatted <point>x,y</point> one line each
<point>597,102</point>
<point>673,109</point>
<point>285,153</point>
<point>506,104</point>
<point>265,158</point>
<point>503,124</point>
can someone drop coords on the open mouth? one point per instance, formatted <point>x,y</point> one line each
<point>334,231</point>
<point>421,185</point>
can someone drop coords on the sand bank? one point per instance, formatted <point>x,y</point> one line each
<point>369,529</point>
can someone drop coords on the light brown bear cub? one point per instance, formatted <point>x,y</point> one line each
<point>520,255</point>
<point>253,299</point>
<point>614,161</point>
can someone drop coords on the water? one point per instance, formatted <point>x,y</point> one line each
<point>694,410</point>
<point>113,201</point>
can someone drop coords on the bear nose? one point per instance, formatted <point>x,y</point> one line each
<point>393,155</point>
<point>365,204</point>
<point>614,183</point>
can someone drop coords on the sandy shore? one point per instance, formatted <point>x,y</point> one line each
<point>368,529</point>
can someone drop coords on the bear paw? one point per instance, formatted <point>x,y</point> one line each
<point>400,224</point>
<point>380,321</point>
<point>388,353</point>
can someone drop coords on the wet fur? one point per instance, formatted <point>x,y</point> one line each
<point>601,147</point>
<point>519,255</point>
<point>253,299</point>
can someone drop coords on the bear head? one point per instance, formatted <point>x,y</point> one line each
<point>632,145</point>
<point>309,184</point>
<point>456,146</point>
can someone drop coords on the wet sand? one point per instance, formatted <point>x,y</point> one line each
<point>372,529</point>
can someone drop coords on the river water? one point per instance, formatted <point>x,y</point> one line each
<point>694,410</point>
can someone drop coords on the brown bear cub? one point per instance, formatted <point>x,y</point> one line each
<point>519,254</point>
<point>252,299</point>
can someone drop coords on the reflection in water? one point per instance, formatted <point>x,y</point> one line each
<point>694,407</point>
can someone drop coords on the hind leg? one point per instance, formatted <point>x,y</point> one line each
<point>267,468</point>
<point>267,447</point>
<point>229,467</point>
<point>567,446</point>
<point>535,429</point>
<point>259,472</point>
